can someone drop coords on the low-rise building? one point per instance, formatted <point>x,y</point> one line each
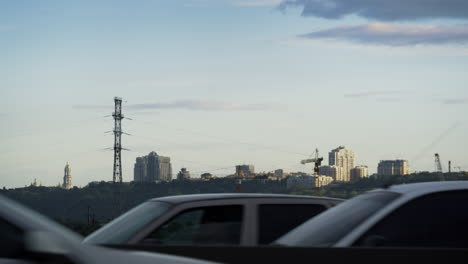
<point>279,173</point>
<point>393,167</point>
<point>333,171</point>
<point>322,180</point>
<point>359,172</point>
<point>206,176</point>
<point>244,170</point>
<point>300,182</point>
<point>183,174</point>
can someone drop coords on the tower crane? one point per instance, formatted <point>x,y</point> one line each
<point>317,161</point>
<point>438,166</point>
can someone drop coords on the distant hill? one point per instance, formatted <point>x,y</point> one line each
<point>98,203</point>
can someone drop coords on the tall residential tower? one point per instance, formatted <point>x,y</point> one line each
<point>152,168</point>
<point>342,157</point>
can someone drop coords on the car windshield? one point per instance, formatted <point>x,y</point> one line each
<point>328,227</point>
<point>122,228</point>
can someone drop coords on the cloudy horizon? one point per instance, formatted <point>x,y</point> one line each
<point>215,83</point>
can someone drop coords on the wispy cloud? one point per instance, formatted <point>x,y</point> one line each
<point>206,105</point>
<point>371,94</point>
<point>456,101</point>
<point>257,2</point>
<point>167,83</point>
<point>94,107</point>
<point>394,35</point>
<point>384,10</point>
<point>203,105</point>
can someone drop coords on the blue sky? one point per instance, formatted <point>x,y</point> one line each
<point>215,83</point>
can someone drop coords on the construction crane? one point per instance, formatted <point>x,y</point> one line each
<point>438,166</point>
<point>317,161</point>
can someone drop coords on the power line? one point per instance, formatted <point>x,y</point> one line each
<point>436,141</point>
<point>229,139</point>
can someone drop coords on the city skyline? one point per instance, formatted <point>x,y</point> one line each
<point>216,83</point>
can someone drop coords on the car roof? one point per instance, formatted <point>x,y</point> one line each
<point>219,196</point>
<point>427,187</point>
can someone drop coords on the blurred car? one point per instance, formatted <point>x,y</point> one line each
<point>211,219</point>
<point>28,237</point>
<point>417,215</point>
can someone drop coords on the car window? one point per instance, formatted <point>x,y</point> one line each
<point>11,240</point>
<point>330,226</point>
<point>214,225</point>
<point>127,225</point>
<point>275,220</point>
<point>436,220</point>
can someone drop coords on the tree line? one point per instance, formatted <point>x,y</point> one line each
<point>85,209</point>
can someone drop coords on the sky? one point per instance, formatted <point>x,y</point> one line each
<point>215,83</point>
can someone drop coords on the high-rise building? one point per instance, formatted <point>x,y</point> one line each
<point>152,168</point>
<point>67,178</point>
<point>393,167</point>
<point>342,157</point>
<point>359,172</point>
<point>244,170</point>
<point>332,171</point>
<point>183,174</point>
<point>140,169</point>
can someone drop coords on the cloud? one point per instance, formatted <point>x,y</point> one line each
<point>94,107</point>
<point>394,35</point>
<point>257,2</point>
<point>206,105</point>
<point>202,105</point>
<point>371,94</point>
<point>456,101</point>
<point>384,10</point>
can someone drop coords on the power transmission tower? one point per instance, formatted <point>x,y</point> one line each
<point>118,116</point>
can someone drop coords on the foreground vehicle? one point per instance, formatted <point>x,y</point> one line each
<point>349,218</point>
<point>28,237</point>
<point>423,215</point>
<point>211,219</point>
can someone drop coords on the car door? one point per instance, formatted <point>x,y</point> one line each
<point>433,220</point>
<point>217,222</point>
<point>277,216</point>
